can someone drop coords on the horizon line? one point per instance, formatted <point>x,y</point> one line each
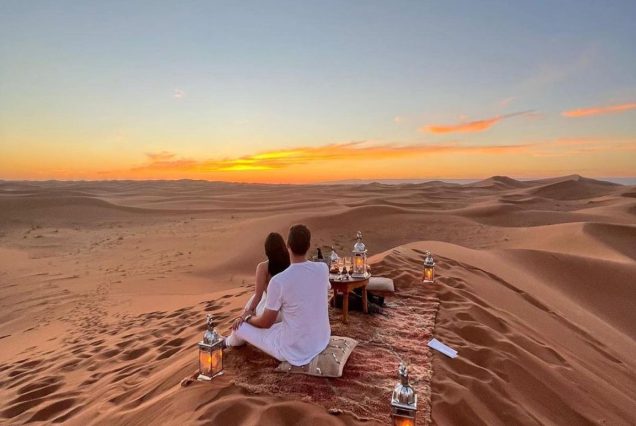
<point>622,180</point>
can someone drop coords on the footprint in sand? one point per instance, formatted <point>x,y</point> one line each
<point>53,409</point>
<point>33,394</point>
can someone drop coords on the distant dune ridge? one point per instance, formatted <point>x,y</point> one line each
<point>104,287</point>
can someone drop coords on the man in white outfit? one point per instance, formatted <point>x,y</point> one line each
<point>300,292</point>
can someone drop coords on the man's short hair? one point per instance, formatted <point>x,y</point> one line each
<point>299,239</point>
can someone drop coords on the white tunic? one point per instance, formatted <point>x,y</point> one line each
<point>300,292</point>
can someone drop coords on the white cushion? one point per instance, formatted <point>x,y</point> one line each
<point>380,284</point>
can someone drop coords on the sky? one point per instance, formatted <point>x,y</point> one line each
<point>296,92</point>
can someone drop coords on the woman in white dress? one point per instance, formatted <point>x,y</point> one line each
<point>277,261</point>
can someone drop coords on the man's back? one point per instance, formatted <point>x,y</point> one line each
<point>301,292</point>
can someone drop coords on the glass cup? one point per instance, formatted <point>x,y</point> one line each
<point>333,266</point>
<point>341,265</point>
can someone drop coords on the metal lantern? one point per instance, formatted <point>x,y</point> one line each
<point>359,258</point>
<point>429,268</point>
<point>210,353</point>
<point>403,400</point>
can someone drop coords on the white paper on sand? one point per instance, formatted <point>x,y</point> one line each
<point>439,346</point>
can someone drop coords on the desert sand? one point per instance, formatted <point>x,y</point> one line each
<point>104,287</point>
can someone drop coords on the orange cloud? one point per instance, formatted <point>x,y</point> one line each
<point>601,110</point>
<point>470,126</point>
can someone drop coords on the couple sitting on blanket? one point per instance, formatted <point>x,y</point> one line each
<point>287,317</point>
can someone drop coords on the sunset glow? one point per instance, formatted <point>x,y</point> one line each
<point>298,94</point>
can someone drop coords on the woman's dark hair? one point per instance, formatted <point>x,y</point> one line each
<point>277,253</point>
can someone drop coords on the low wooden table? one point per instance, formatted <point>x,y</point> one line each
<point>345,287</point>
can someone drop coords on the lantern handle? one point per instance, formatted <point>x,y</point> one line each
<point>403,373</point>
<point>209,320</point>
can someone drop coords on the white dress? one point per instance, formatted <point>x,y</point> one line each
<point>260,308</point>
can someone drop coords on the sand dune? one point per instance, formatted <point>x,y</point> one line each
<point>104,287</point>
<point>573,190</point>
<point>500,182</point>
<point>536,346</point>
<point>588,239</point>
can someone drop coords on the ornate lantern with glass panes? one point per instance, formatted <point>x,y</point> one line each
<point>210,353</point>
<point>359,258</point>
<point>403,400</point>
<point>428,274</point>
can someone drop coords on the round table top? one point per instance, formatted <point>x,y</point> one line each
<point>333,279</point>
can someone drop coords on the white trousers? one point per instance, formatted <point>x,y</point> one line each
<point>262,338</point>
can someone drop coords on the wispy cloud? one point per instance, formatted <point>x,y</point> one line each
<point>398,119</point>
<point>160,156</point>
<point>349,151</point>
<point>572,147</point>
<point>470,126</point>
<point>599,110</point>
<point>179,94</point>
<point>546,74</point>
<point>505,102</point>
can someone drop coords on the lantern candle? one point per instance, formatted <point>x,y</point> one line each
<point>359,262</point>
<point>429,269</point>
<point>210,353</point>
